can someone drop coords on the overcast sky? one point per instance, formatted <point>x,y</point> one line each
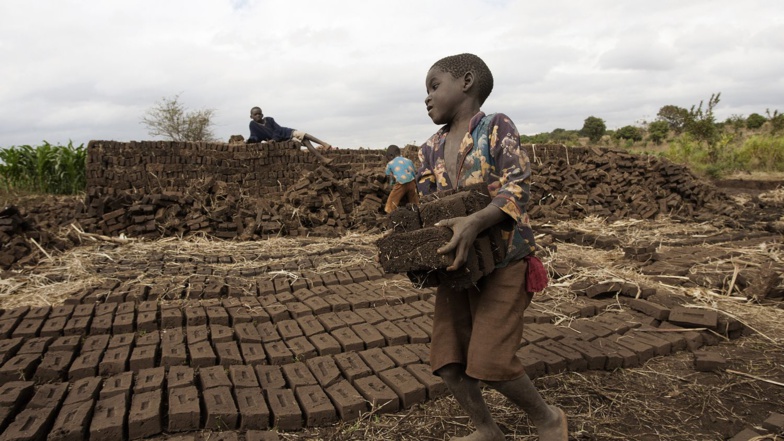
<point>353,72</point>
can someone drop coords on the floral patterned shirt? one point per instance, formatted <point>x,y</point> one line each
<point>489,153</point>
<point>402,169</point>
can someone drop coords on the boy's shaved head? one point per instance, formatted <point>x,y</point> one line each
<point>458,65</point>
<point>393,150</point>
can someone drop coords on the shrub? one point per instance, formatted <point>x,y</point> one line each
<point>593,128</point>
<point>762,152</point>
<point>658,131</point>
<point>755,121</point>
<point>629,132</point>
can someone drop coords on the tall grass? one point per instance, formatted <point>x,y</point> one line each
<point>53,169</point>
<point>758,153</point>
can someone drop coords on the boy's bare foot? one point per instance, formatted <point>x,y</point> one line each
<point>556,429</point>
<point>489,435</point>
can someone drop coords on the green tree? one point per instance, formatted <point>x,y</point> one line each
<point>675,116</point>
<point>702,124</point>
<point>658,131</point>
<point>593,128</point>
<point>776,121</point>
<point>755,121</point>
<point>629,132</point>
<point>169,118</point>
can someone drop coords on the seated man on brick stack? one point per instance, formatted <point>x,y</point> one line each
<point>266,129</point>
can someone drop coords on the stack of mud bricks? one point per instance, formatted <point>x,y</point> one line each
<point>412,246</point>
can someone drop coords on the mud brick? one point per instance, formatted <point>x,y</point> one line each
<point>19,367</point>
<point>277,312</point>
<point>144,419</point>
<point>126,308</point>
<point>302,348</point>
<point>408,311</point>
<point>414,250</point>
<point>357,300</point>
<point>286,413</point>
<point>253,411</point>
<point>264,287</point>
<point>221,334</point>
<point>268,332</point>
<point>184,409</point>
<point>325,344</point>
<point>677,339</point>
<point>574,359</point>
<point>694,318</point>
<point>197,334</point>
<point>253,353</point>
<point>54,366</point>
<point>119,384</point>
<point>709,338</point>
<point>389,313</point>
<point>348,402</point>
<point>7,327</point>
<point>121,340</point>
<point>10,346</point>
<point>408,389</point>
<point>217,315</point>
<point>72,422</point>
<point>298,309</point>
<point>173,354</point>
<point>615,325</point>
<point>661,346</point>
<point>352,366</point>
<point>369,335</point>
<point>316,406</point>
<point>401,355</point>
<point>707,361</point>
<point>421,350</point>
<point>425,323</point>
<point>324,370</point>
<point>382,399</point>
<point>329,279</point>
<point>392,334</point>
<point>414,332</point>
<point>746,434</point>
<point>310,325</point>
<point>105,308</point>
<point>147,321</point>
<point>282,285</point>
<point>317,305</point>
<point>148,380</point>
<point>348,339</point>
<point>214,376</point>
<point>303,294</point>
<point>616,354</point>
<point>554,363</point>
<point>532,316</point>
<point>83,310</point>
<point>145,338</point>
<point>692,339</point>
<point>239,314</point>
<point>774,423</point>
<point>425,307</point>
<point>115,361</point>
<point>179,376</point>
<point>109,418</point>
<point>595,357</point>
<point>370,315</point>
<point>42,312</point>
<point>85,365</point>
<point>289,329</point>
<point>228,353</point>
<point>372,273</point>
<point>278,353</point>
<point>330,321</point>
<point>547,330</point>
<point>337,303</point>
<point>143,357</point>
<point>643,350</point>
<point>349,317</point>
<point>243,376</point>
<point>377,360</point>
<point>247,333</point>
<point>651,309</point>
<point>357,275</point>
<point>533,365</point>
<point>433,384</point>
<point>201,354</point>
<point>53,326</point>
<point>35,346</point>
<point>28,328</point>
<point>195,316</point>
<point>15,394</point>
<point>100,325</point>
<point>270,377</point>
<point>590,329</point>
<point>219,409</point>
<point>171,318</point>
<point>30,424</point>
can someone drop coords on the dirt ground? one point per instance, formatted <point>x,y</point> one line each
<point>664,399</point>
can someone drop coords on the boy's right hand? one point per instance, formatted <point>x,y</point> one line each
<point>464,232</point>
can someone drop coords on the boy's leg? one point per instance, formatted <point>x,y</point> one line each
<point>395,195</point>
<point>550,421</point>
<point>313,150</point>
<point>326,145</point>
<point>412,196</point>
<point>469,396</point>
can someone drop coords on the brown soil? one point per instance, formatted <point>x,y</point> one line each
<point>665,399</point>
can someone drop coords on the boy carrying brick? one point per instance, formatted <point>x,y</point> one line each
<point>477,331</point>
<point>401,171</point>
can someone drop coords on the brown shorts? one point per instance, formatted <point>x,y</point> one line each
<point>482,327</point>
<point>400,191</point>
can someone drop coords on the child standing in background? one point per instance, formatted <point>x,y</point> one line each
<point>401,171</point>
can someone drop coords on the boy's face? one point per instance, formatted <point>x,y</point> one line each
<point>444,95</point>
<point>256,115</point>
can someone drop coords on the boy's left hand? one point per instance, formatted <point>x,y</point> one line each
<point>464,232</point>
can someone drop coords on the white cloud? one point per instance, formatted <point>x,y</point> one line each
<point>352,72</point>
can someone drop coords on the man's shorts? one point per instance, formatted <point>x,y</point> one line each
<point>482,327</point>
<point>298,135</point>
